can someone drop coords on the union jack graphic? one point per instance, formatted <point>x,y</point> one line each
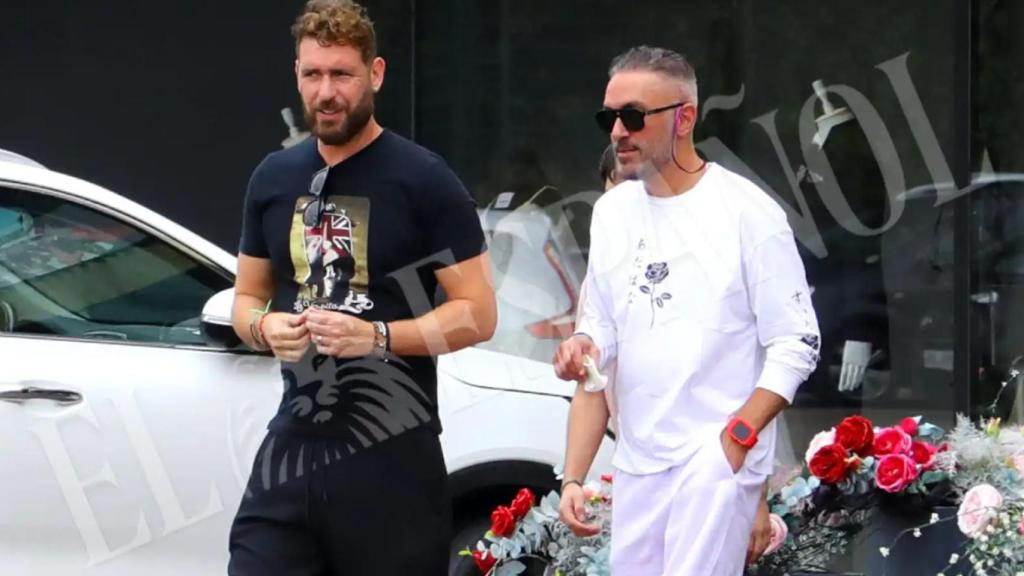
<point>335,230</point>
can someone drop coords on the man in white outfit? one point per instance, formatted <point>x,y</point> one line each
<point>696,291</point>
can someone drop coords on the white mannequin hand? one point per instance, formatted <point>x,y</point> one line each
<point>855,362</point>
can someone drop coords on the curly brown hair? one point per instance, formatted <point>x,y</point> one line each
<point>340,22</point>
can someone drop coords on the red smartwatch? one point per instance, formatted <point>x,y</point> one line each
<point>741,432</point>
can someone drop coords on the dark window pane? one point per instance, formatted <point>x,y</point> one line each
<point>997,212</point>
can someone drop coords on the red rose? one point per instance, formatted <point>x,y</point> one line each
<point>829,463</point>
<point>924,454</point>
<point>909,425</point>
<point>855,433</point>
<point>523,502</point>
<point>892,441</point>
<point>895,472</point>
<point>503,522</point>
<point>484,561</point>
<point>606,478</point>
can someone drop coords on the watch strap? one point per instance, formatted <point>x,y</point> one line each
<point>381,340</point>
<point>751,433</point>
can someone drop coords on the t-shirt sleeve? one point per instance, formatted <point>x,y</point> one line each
<point>454,234</point>
<point>253,241</point>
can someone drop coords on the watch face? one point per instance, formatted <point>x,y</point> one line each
<point>741,431</point>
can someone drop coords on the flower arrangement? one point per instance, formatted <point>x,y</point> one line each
<point>850,470</point>
<point>989,463</point>
<point>855,468</point>
<point>530,531</point>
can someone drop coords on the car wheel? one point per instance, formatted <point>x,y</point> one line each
<point>466,535</point>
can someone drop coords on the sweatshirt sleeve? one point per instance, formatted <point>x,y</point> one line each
<point>593,310</point>
<point>786,324</point>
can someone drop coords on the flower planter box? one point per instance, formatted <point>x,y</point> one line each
<point>928,554</point>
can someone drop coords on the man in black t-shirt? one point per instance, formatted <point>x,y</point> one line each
<point>346,238</point>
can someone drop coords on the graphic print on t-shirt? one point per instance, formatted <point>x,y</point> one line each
<point>329,256</point>
<point>655,274</point>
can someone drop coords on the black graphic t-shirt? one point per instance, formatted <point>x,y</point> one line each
<point>387,218</point>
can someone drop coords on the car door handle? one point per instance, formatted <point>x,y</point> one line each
<point>66,397</point>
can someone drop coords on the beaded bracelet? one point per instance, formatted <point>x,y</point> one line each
<point>256,325</point>
<point>262,341</point>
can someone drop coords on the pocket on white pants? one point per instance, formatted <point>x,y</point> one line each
<point>718,453</point>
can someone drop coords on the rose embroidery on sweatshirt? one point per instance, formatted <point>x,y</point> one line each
<point>656,274</point>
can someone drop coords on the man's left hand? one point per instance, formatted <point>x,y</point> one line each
<point>761,535</point>
<point>734,453</point>
<point>339,335</point>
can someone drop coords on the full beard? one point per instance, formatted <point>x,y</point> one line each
<point>341,133</point>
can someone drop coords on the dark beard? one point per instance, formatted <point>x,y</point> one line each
<point>355,120</point>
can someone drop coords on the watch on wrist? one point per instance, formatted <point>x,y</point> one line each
<point>741,432</point>
<point>381,341</point>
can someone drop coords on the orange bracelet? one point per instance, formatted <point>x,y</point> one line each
<point>259,331</point>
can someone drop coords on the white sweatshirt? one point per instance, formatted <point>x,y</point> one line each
<point>701,298</point>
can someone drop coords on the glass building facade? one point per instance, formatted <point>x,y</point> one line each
<point>891,132</point>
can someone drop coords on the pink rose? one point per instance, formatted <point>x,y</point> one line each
<point>892,440</point>
<point>1018,463</point>
<point>895,472</point>
<point>820,440</point>
<point>909,425</point>
<point>594,491</point>
<point>979,506</point>
<point>779,533</point>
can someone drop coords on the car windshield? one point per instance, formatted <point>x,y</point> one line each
<point>67,270</point>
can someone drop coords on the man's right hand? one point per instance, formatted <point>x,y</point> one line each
<point>573,513</point>
<point>569,358</point>
<point>287,335</point>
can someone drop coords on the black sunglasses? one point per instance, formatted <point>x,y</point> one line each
<point>632,118</point>
<point>314,211</point>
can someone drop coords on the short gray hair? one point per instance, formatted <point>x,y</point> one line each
<point>668,63</point>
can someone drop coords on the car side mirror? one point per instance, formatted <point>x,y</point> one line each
<point>216,320</point>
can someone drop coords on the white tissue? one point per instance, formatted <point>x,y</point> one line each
<point>595,381</point>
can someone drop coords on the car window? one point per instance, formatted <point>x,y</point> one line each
<point>67,270</point>
<point>537,275</point>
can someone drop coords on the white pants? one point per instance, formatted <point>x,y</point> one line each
<point>693,519</point>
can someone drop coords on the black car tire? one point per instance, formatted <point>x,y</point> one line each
<point>466,535</point>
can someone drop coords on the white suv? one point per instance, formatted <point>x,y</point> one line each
<point>129,420</point>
